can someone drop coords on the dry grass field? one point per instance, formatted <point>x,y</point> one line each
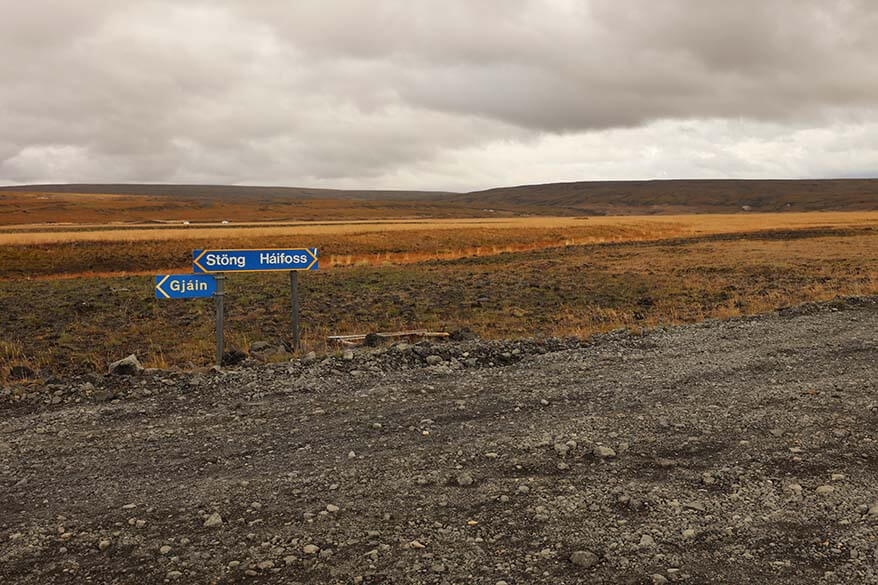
<point>75,300</point>
<point>31,252</point>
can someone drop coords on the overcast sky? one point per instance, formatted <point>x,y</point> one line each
<point>436,94</point>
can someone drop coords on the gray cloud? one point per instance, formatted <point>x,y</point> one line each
<point>435,94</point>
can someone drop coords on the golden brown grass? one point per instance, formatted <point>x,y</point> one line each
<point>83,323</point>
<point>665,225</point>
<point>232,232</point>
<point>338,244</point>
<point>540,276</point>
<point>117,251</point>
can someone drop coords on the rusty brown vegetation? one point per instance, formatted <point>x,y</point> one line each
<point>528,277</point>
<point>34,208</point>
<point>109,250</point>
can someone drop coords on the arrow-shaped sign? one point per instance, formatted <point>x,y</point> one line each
<point>184,286</point>
<point>254,260</point>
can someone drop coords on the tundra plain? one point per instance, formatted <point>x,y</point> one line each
<point>79,296</point>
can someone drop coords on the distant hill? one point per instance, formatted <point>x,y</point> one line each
<point>146,202</point>
<point>223,192</point>
<point>681,196</point>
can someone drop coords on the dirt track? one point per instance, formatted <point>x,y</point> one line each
<point>690,455</point>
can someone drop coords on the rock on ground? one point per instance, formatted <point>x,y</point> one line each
<point>126,366</point>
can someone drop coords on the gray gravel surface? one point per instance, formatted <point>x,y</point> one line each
<point>741,451</point>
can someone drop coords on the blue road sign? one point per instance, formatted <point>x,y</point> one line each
<point>254,260</point>
<point>184,286</point>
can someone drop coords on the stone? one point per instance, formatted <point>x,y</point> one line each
<point>257,346</point>
<point>310,549</point>
<point>434,360</point>
<point>466,334</point>
<point>464,479</point>
<point>347,355</point>
<point>265,565</point>
<point>689,533</point>
<point>332,508</point>
<point>104,394</point>
<point>659,579</point>
<point>584,559</point>
<point>104,545</point>
<point>793,489</point>
<point>603,452</point>
<point>126,366</point>
<point>272,354</point>
<point>213,521</point>
<point>174,574</point>
<point>233,357</point>
<point>695,506</point>
<point>164,550</point>
<point>647,541</point>
<point>824,490</point>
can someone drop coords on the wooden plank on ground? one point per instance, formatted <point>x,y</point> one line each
<point>390,334</point>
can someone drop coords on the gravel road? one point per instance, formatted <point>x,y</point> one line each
<point>741,451</point>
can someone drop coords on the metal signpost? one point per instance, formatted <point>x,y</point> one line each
<point>219,299</point>
<point>208,279</point>
<point>294,306</point>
